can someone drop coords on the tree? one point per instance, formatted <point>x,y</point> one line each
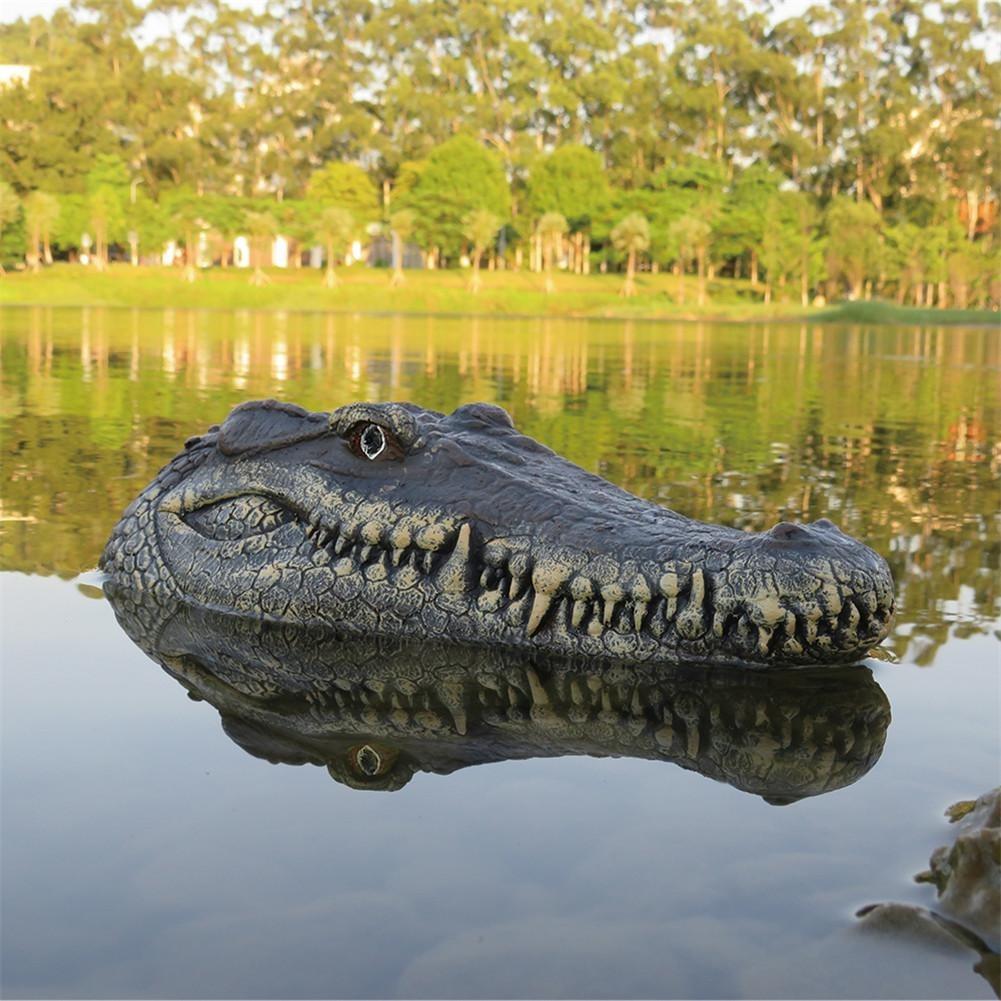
<point>690,235</point>
<point>740,225</point>
<point>225,216</point>
<point>479,228</point>
<point>346,186</point>
<point>904,261</point>
<point>335,229</point>
<point>263,228</point>
<point>401,226</point>
<point>102,207</point>
<point>572,181</point>
<point>41,212</point>
<point>186,213</point>
<point>631,237</point>
<point>853,242</point>
<point>550,230</point>
<point>10,210</point>
<point>458,177</point>
<point>107,186</point>
<point>780,252</point>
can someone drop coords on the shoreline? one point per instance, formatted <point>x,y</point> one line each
<point>505,295</point>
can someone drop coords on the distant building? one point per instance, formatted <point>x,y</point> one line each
<point>13,73</point>
<point>241,252</point>
<point>279,252</point>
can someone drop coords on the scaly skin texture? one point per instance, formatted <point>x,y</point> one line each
<point>376,711</point>
<point>393,520</point>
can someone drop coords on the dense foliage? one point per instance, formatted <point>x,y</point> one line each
<point>849,150</point>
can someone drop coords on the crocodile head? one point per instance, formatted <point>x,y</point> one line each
<point>394,520</point>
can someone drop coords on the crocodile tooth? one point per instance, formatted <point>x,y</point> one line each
<point>612,594</point>
<point>397,555</point>
<point>539,608</point>
<point>669,586</point>
<point>363,556</point>
<point>642,596</point>
<point>451,695</point>
<point>519,574</point>
<point>427,562</point>
<point>539,694</point>
<point>690,619</point>
<point>485,579</point>
<point>431,537</point>
<point>764,635</point>
<point>789,624</point>
<point>639,614</point>
<point>719,618</point>
<point>793,646</point>
<point>579,608</point>
<point>452,576</point>
<point>341,544</point>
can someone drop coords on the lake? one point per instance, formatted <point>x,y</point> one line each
<point>149,852</point>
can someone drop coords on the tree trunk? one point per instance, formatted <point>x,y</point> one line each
<point>630,286</point>
<point>474,278</point>
<point>754,267</point>
<point>190,253</point>
<point>329,275</point>
<point>258,277</point>
<point>700,255</point>
<point>548,264</point>
<point>47,248</point>
<point>943,295</point>
<point>398,277</point>
<point>973,213</point>
<point>32,256</point>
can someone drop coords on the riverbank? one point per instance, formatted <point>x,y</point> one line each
<point>366,290</point>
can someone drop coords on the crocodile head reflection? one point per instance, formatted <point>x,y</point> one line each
<point>376,711</point>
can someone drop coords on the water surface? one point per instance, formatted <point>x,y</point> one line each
<point>147,854</point>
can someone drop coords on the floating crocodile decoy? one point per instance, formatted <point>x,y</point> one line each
<point>375,711</point>
<point>393,520</point>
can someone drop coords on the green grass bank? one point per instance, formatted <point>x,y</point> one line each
<point>367,290</point>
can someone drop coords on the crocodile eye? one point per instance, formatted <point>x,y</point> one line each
<point>373,442</point>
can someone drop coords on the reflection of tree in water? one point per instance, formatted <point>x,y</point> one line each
<point>887,431</point>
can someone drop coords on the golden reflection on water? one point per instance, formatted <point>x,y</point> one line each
<point>895,433</point>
